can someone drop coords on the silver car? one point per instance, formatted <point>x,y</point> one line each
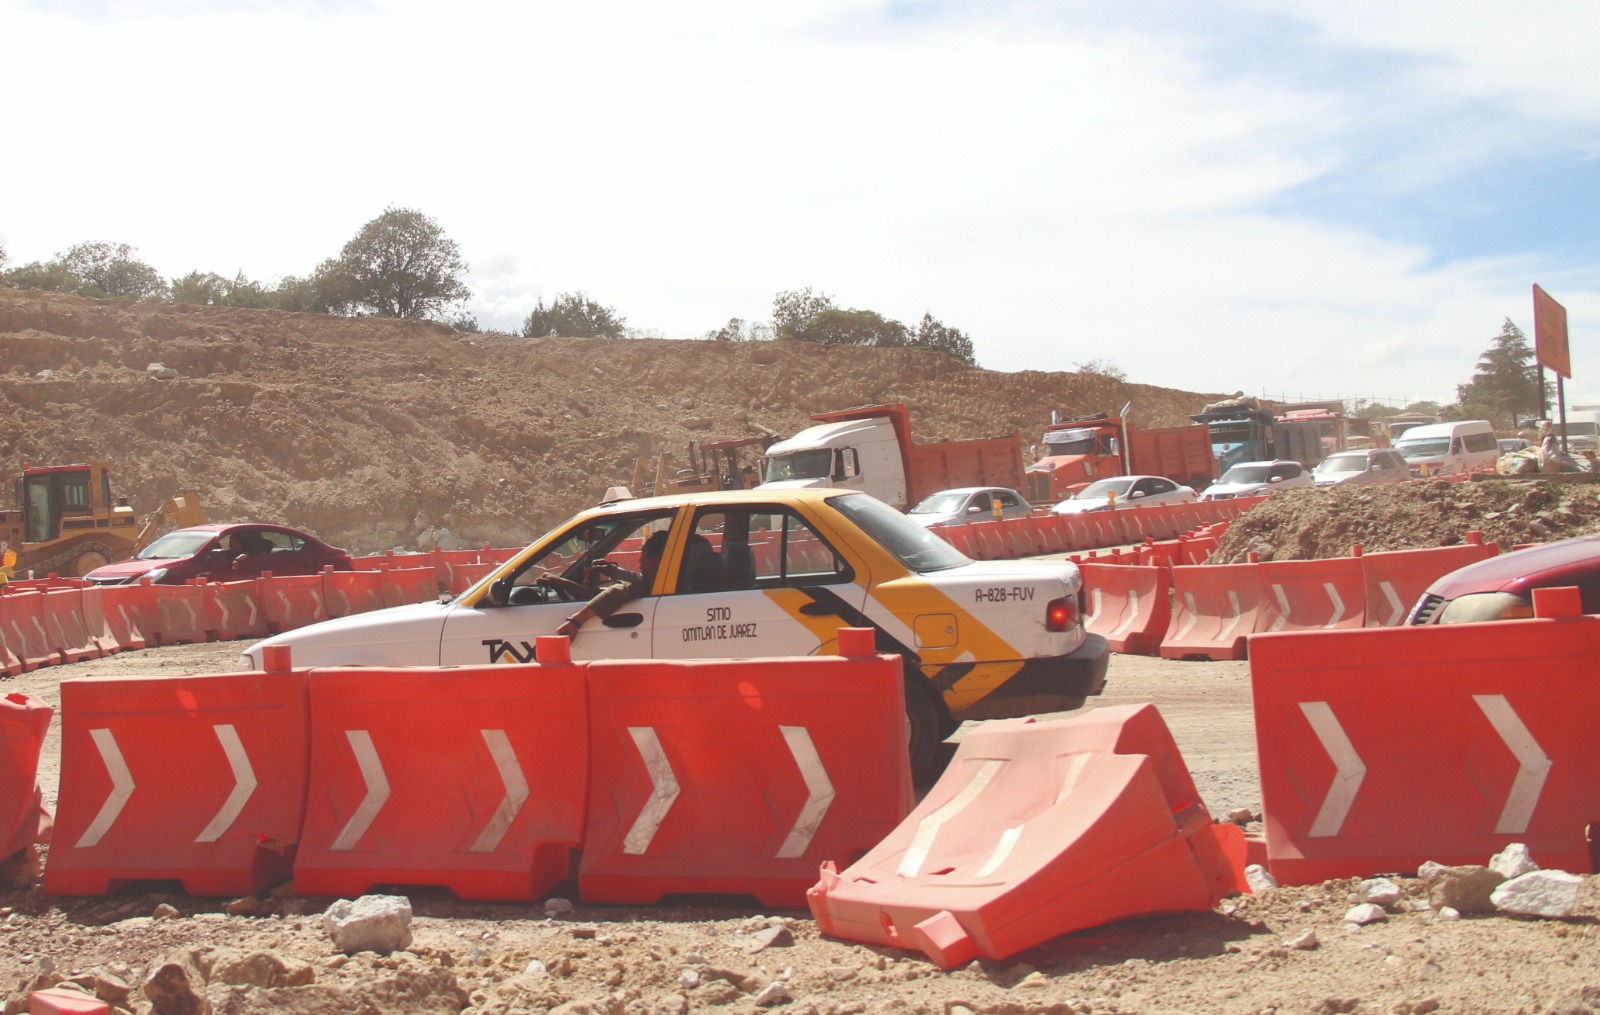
<point>1371,465</point>
<point>968,504</point>
<point>1252,479</point>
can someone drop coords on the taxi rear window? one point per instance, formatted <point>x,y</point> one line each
<point>911,544</point>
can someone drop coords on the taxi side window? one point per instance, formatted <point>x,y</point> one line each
<point>757,548</point>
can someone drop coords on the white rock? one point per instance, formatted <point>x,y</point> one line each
<point>1513,861</point>
<point>372,923</point>
<point>772,994</point>
<point>1259,878</point>
<point>1429,868</point>
<point>688,979</point>
<point>552,906</point>
<point>1365,913</point>
<point>1448,913</point>
<point>1380,891</point>
<point>1305,942</point>
<point>1539,893</point>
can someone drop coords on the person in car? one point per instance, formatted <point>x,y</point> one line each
<point>624,587</point>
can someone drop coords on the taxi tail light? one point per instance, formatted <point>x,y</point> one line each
<point>1062,614</point>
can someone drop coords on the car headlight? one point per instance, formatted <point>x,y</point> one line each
<point>155,575</point>
<point>1482,606</point>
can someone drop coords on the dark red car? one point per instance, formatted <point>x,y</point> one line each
<point>1501,588</point>
<point>225,552</point>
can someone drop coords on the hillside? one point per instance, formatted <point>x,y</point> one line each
<point>381,433</point>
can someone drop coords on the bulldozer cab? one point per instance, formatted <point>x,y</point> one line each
<point>713,465</point>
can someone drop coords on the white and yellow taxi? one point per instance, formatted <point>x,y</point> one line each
<point>754,573</point>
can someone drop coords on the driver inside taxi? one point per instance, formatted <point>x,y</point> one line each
<point>624,586</point>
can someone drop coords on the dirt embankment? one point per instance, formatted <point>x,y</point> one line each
<point>380,433</point>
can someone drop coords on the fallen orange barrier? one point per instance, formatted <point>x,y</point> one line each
<point>1503,750</point>
<point>196,779</point>
<point>1038,829</point>
<point>491,807</point>
<point>741,775</point>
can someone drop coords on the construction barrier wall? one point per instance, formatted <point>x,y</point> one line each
<point>24,721</point>
<point>1383,749</point>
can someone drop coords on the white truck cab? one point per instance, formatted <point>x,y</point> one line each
<point>853,454</point>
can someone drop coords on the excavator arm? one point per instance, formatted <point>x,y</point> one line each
<point>175,513</point>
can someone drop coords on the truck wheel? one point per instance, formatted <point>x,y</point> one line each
<point>90,557</point>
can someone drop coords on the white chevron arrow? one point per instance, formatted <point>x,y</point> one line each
<point>1350,770</point>
<point>1397,610</point>
<point>1283,608</point>
<point>922,840</point>
<point>377,790</point>
<point>1131,614</point>
<point>818,787</point>
<point>1011,836</point>
<point>1338,605</point>
<point>121,788</point>
<point>1192,617</point>
<point>505,760</point>
<point>1533,764</point>
<point>244,783</point>
<point>1233,617</point>
<point>1093,612</point>
<point>663,794</point>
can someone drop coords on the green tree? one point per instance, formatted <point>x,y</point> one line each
<point>401,264</point>
<point>791,310</point>
<point>210,289</point>
<point>852,327</point>
<point>573,315</point>
<point>112,271</point>
<point>934,334</point>
<point>51,276</point>
<point>1505,384</point>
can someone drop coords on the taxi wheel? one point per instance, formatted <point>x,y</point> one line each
<point>928,724</point>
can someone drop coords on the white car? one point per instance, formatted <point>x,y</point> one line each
<point>1126,491</point>
<point>968,504</point>
<point>1369,465</point>
<point>1251,479</point>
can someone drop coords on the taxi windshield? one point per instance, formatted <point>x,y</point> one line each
<point>911,544</point>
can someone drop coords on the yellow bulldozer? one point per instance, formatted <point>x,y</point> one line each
<point>67,524</point>
<point>720,467</point>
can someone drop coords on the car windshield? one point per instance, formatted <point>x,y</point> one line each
<point>1343,463</point>
<point>813,464</point>
<point>914,546</point>
<point>1102,489</point>
<point>1247,474</point>
<point>1069,442</point>
<point>1430,447</point>
<point>176,545</point>
<point>939,504</point>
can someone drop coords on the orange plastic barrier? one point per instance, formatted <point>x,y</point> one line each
<point>464,576</point>
<point>199,779</point>
<point>129,612</point>
<point>1038,829</point>
<point>1396,580</point>
<point>180,614</point>
<point>350,592</point>
<point>1196,549</point>
<point>10,665</point>
<point>233,611</point>
<point>1213,611</point>
<point>1312,595</point>
<point>468,777</point>
<point>291,601</point>
<point>27,641</point>
<point>106,631</point>
<point>24,721</point>
<point>741,776</point>
<point>959,536</point>
<point>65,631</point>
<point>402,586</point>
<point>1130,606</point>
<point>1502,750</point>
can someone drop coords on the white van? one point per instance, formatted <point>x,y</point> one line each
<point>1449,449</point>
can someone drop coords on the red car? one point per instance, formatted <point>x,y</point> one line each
<point>1501,588</point>
<point>225,552</point>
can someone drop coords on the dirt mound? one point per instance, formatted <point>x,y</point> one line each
<point>1306,523</point>
<point>382,433</point>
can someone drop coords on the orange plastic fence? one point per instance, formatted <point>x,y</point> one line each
<point>1213,611</point>
<point>1130,606</point>
<point>24,721</point>
<point>1502,750</point>
<point>1312,595</point>
<point>1396,580</point>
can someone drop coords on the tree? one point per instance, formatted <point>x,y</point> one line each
<point>112,271</point>
<point>1505,384</point>
<point>852,327</point>
<point>934,334</point>
<point>51,276</point>
<point>573,315</point>
<point>791,310</point>
<point>401,264</point>
<point>210,289</point>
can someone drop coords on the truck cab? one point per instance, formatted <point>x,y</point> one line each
<point>855,454</point>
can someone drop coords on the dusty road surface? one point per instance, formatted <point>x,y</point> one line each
<point>1282,950</point>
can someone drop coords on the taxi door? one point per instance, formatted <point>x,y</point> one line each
<point>755,580</point>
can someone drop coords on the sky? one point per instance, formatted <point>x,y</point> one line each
<point>1297,199</point>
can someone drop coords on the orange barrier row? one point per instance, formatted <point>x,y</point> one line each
<point>1505,751</point>
<point>1216,608</point>
<point>24,721</point>
<point>722,775</point>
<point>53,622</point>
<point>1038,829</point>
<point>453,569</point>
<point>1044,532</point>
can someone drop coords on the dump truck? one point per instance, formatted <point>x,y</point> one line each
<point>1086,449</point>
<point>869,448</point>
<point>66,522</point>
<point>1256,435</point>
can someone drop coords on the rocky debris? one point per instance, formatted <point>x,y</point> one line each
<point>1465,889</point>
<point>1545,893</point>
<point>1513,861</point>
<point>1365,913</point>
<point>176,986</point>
<point>372,923</point>
<point>1259,878</point>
